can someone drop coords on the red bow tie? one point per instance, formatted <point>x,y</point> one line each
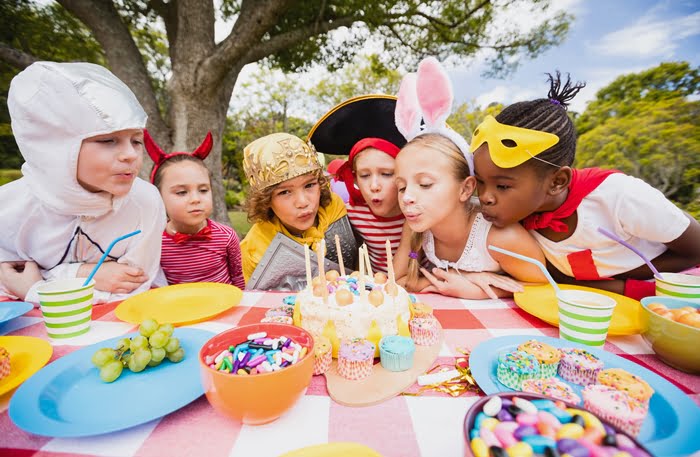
<point>202,235</point>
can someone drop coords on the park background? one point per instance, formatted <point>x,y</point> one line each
<point>246,68</point>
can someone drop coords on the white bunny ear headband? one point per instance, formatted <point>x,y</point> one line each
<point>427,95</point>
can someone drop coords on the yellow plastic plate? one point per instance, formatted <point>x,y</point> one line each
<point>541,302</point>
<point>345,449</point>
<point>180,304</point>
<point>27,356</point>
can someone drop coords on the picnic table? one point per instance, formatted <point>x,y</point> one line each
<point>429,424</point>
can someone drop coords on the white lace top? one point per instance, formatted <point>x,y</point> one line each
<point>475,257</point>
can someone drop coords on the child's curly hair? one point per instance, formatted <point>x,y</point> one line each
<point>259,207</point>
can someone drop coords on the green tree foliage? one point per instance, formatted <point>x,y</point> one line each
<point>650,130</point>
<point>666,81</point>
<point>467,116</point>
<point>45,33</point>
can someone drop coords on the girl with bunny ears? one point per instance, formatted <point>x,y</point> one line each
<point>195,248</point>
<point>435,184</point>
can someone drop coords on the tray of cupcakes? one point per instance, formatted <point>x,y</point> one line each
<point>634,400</point>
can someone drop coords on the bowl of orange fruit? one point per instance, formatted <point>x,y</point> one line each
<point>672,328</point>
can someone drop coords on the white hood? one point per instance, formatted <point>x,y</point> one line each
<point>47,216</point>
<point>54,106</point>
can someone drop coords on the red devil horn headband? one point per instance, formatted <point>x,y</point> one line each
<point>159,157</point>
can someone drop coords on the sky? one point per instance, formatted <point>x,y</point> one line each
<point>607,39</point>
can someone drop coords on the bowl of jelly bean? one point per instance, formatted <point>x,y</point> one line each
<point>255,373</point>
<point>520,424</point>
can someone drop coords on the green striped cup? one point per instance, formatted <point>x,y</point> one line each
<point>679,285</point>
<point>66,306</point>
<point>584,317</point>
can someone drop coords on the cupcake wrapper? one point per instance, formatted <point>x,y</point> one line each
<point>355,369</point>
<point>548,370</point>
<point>396,362</point>
<point>322,362</point>
<point>582,377</point>
<point>630,427</point>
<point>512,379</point>
<point>5,367</point>
<point>424,336</point>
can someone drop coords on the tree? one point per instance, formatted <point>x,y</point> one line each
<point>467,116</point>
<point>646,127</point>
<point>290,35</point>
<point>664,82</point>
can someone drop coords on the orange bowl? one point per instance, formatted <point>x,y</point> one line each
<point>260,398</point>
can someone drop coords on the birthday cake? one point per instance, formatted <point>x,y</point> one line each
<point>356,307</point>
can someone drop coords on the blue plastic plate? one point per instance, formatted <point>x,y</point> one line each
<point>67,398</point>
<point>11,309</point>
<point>673,422</point>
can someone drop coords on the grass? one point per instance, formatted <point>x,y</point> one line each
<point>9,175</point>
<point>239,221</point>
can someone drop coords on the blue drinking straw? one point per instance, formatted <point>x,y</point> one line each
<point>107,251</point>
<point>530,260</point>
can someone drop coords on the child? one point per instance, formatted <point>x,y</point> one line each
<point>289,195</point>
<point>80,131</point>
<point>364,128</point>
<point>195,248</point>
<point>435,187</point>
<point>523,161</point>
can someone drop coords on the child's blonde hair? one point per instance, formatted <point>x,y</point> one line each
<point>259,201</point>
<point>433,143</point>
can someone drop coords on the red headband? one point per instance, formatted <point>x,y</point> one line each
<point>158,156</point>
<point>345,171</point>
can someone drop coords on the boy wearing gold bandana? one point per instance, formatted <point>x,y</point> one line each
<point>291,205</point>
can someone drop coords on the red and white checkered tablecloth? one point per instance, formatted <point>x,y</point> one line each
<point>405,426</point>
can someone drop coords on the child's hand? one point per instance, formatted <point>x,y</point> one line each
<point>18,277</point>
<point>469,285</point>
<point>117,278</point>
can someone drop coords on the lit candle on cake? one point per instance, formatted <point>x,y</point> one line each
<point>368,269</point>
<point>340,255</point>
<point>320,254</point>
<point>391,285</point>
<point>307,263</point>
<point>361,279</point>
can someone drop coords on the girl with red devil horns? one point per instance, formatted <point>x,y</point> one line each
<point>195,248</point>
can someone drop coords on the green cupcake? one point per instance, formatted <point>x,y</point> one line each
<point>515,367</point>
<point>396,352</point>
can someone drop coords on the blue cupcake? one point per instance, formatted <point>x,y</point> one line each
<point>396,352</point>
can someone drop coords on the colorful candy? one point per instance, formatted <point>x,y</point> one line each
<point>259,354</point>
<point>524,428</point>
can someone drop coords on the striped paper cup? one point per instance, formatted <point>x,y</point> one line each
<point>584,317</point>
<point>679,285</point>
<point>66,306</point>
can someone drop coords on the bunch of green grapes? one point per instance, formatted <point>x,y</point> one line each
<point>148,349</point>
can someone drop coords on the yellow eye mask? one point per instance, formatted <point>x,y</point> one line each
<point>528,143</point>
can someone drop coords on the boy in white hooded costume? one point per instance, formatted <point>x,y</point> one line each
<point>80,131</point>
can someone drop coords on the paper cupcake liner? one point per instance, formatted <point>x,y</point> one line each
<point>628,426</point>
<point>577,375</point>
<point>512,379</point>
<point>322,362</point>
<point>396,362</point>
<point>424,336</point>
<point>548,370</point>
<point>5,367</point>
<point>355,369</point>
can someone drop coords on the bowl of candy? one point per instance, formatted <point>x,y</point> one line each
<point>672,328</point>
<point>255,373</point>
<point>521,423</point>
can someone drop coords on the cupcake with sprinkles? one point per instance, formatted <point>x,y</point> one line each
<point>424,330</point>
<point>356,358</point>
<point>579,366</point>
<point>323,354</point>
<point>396,352</point>
<point>278,319</point>
<point>551,387</point>
<point>615,406</point>
<point>421,310</point>
<point>627,382</point>
<point>546,355</point>
<point>515,367</point>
